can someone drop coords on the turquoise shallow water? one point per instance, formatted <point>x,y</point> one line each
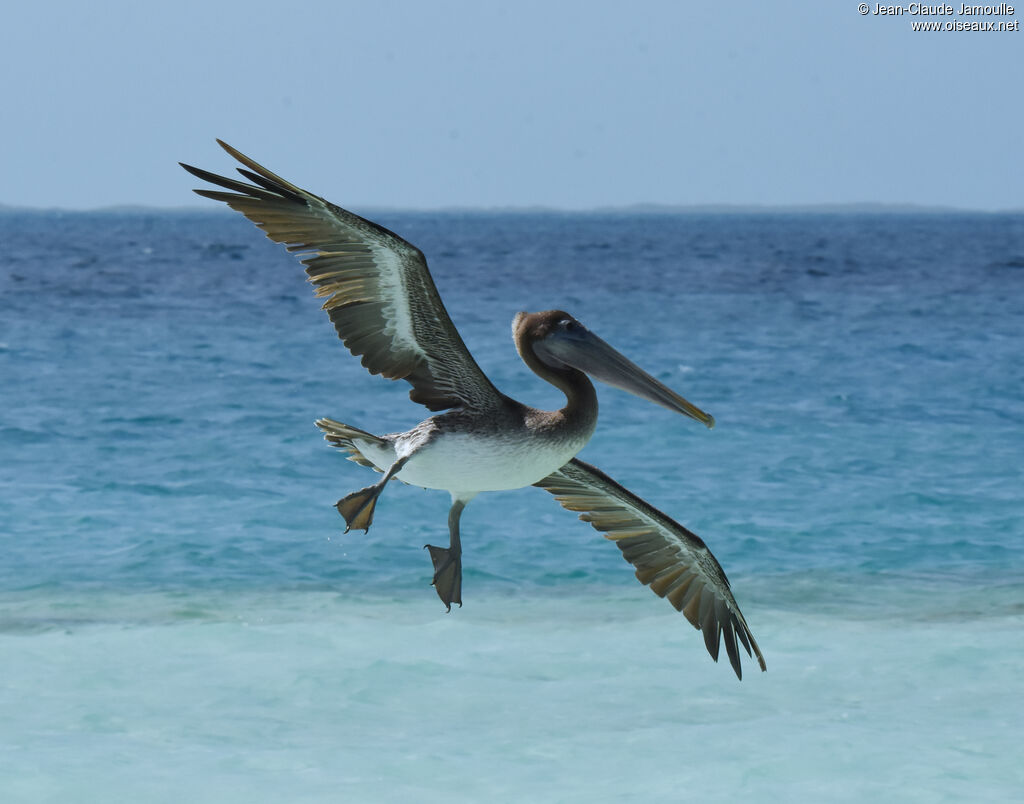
<point>182,616</point>
<point>305,696</point>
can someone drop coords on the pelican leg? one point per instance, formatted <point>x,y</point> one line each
<point>448,560</point>
<point>357,507</point>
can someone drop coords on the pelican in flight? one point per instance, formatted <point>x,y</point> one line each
<point>382,301</point>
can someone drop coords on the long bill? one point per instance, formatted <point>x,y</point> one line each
<point>582,349</point>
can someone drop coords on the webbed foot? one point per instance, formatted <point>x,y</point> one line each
<point>447,574</point>
<point>357,508</point>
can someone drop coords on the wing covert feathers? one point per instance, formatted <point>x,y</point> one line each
<point>376,287</point>
<point>673,561</point>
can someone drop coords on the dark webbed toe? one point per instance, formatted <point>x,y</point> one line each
<point>447,574</point>
<point>357,508</point>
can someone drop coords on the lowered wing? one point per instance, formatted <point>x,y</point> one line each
<point>674,562</point>
<point>379,294</point>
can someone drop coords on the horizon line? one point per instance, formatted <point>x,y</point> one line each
<point>648,208</point>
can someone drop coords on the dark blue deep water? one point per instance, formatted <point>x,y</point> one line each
<point>163,492</point>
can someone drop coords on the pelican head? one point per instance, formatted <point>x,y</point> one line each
<point>559,341</point>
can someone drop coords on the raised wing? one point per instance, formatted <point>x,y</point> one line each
<point>674,562</point>
<point>380,295</point>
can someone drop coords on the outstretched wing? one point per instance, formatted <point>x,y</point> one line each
<point>674,562</point>
<point>380,295</point>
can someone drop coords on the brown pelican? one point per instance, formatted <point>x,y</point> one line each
<point>385,308</point>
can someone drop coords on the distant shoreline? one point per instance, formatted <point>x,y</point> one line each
<point>866,208</point>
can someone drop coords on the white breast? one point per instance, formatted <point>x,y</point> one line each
<point>461,462</point>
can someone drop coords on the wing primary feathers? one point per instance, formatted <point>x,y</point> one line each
<point>376,287</point>
<point>672,560</point>
<point>729,635</point>
<point>258,168</point>
<point>230,184</point>
<point>217,195</point>
<point>273,186</point>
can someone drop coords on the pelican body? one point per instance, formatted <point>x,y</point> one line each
<point>384,305</point>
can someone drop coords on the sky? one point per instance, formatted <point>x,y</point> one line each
<point>575,105</point>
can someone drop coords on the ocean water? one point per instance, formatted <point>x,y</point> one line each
<point>182,618</point>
